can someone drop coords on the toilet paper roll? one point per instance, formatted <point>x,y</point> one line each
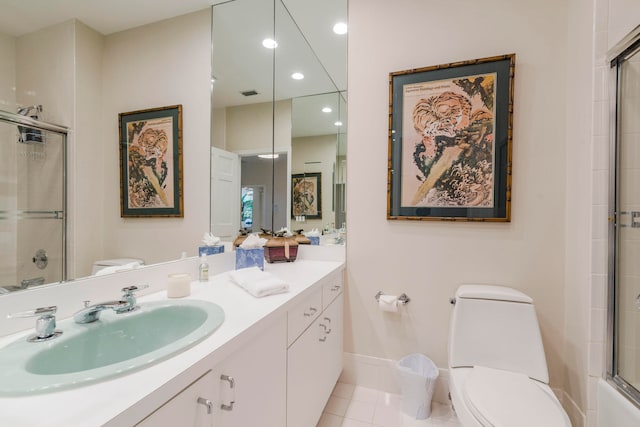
<point>388,303</point>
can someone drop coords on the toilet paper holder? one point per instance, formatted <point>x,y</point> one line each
<point>402,299</point>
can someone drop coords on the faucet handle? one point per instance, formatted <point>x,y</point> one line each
<point>40,311</point>
<point>45,324</point>
<point>130,297</point>
<point>130,290</point>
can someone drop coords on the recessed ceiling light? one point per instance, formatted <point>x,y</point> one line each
<point>269,43</point>
<point>340,28</point>
<point>268,156</point>
<point>338,123</point>
<point>327,110</point>
<point>297,76</point>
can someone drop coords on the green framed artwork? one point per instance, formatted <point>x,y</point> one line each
<point>151,163</point>
<point>450,141</point>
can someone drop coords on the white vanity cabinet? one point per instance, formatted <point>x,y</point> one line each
<point>282,353</point>
<point>192,407</point>
<point>314,358</point>
<point>258,372</point>
<point>246,389</point>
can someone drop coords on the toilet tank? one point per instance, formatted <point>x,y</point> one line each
<point>496,327</point>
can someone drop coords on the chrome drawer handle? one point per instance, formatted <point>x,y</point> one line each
<point>207,403</point>
<point>232,384</point>
<point>328,331</point>
<point>311,312</point>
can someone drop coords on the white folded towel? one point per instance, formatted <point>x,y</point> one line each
<point>257,282</point>
<point>117,268</point>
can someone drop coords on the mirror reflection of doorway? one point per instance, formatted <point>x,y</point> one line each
<point>253,206</point>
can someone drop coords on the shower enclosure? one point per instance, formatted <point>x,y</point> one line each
<point>33,200</point>
<point>624,225</point>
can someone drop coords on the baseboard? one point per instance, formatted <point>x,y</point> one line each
<point>576,416</point>
<point>380,374</point>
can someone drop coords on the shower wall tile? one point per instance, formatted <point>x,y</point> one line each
<point>598,316</point>
<point>599,291</point>
<point>601,118</point>
<point>600,185</point>
<point>7,72</point>
<point>599,226</point>
<point>600,152</point>
<point>601,84</point>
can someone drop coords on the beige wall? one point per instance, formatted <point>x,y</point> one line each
<point>86,168</point>
<point>248,128</point>
<point>429,260</point>
<point>577,143</point>
<point>160,64</point>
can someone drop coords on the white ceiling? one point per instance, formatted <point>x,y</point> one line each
<point>303,30</point>
<point>18,17</point>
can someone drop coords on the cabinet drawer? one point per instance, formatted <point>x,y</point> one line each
<point>330,290</point>
<point>301,316</point>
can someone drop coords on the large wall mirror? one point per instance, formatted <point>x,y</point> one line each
<point>80,63</point>
<point>86,61</point>
<point>278,116</point>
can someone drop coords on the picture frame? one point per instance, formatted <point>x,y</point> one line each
<point>151,172</point>
<point>450,141</point>
<point>306,195</point>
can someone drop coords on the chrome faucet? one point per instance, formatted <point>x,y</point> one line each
<point>130,297</point>
<point>127,304</point>
<point>45,324</point>
<point>91,313</point>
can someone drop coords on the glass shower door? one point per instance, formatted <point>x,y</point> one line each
<point>32,206</point>
<point>626,280</point>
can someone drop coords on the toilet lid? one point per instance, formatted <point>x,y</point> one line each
<point>118,261</point>
<point>500,398</point>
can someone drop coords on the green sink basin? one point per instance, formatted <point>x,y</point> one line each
<point>115,345</point>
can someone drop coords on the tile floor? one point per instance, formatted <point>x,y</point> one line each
<point>356,406</point>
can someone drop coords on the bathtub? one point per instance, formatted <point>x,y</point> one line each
<point>614,409</point>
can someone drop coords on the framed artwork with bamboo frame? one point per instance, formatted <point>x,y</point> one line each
<point>306,195</point>
<point>450,141</point>
<point>151,163</point>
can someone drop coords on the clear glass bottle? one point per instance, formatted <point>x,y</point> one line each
<point>203,269</point>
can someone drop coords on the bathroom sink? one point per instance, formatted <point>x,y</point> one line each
<point>115,345</point>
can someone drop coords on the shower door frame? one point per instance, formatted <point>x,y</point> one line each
<point>63,131</point>
<point>628,47</point>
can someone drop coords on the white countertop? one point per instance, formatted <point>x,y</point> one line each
<point>123,401</point>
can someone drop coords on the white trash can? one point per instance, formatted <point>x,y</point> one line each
<point>418,375</point>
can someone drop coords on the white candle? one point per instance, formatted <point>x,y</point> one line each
<point>178,285</point>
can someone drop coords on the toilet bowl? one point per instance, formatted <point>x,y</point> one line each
<point>107,266</point>
<point>497,366</point>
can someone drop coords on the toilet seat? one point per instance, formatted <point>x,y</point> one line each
<point>499,398</point>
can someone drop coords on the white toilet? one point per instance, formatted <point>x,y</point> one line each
<point>497,367</point>
<point>107,266</point>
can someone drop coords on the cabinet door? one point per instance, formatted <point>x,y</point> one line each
<point>192,407</point>
<point>332,348</point>
<point>313,367</point>
<point>258,375</point>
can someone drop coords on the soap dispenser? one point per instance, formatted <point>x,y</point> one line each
<point>203,269</point>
